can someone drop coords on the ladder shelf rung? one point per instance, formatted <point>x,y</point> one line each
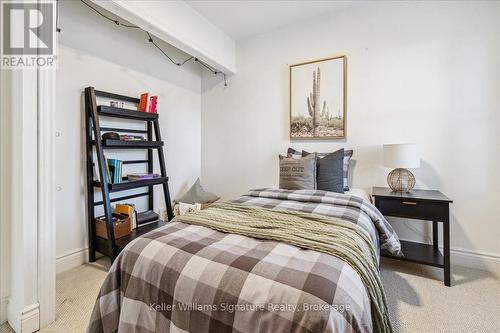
<point>129,185</point>
<point>124,144</point>
<point>110,111</point>
<point>106,94</point>
<point>135,161</point>
<point>123,130</point>
<point>125,197</point>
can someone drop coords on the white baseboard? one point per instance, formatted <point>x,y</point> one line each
<point>30,319</point>
<point>3,309</point>
<point>71,260</point>
<point>26,320</point>
<point>479,260</point>
<point>489,262</point>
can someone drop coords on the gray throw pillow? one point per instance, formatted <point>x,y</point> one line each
<point>330,172</point>
<point>347,157</point>
<point>197,194</point>
<point>293,153</point>
<point>298,174</point>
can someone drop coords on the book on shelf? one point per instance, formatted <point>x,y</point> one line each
<point>97,175</point>
<point>143,103</point>
<point>111,168</point>
<point>120,168</point>
<point>130,137</point>
<point>142,176</point>
<point>114,168</point>
<point>147,103</point>
<point>108,172</point>
<point>129,210</point>
<point>147,217</point>
<point>152,104</point>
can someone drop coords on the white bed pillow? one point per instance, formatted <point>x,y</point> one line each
<point>360,193</point>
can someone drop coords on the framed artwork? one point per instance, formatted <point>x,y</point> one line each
<point>318,99</point>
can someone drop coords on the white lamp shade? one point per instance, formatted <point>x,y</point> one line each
<point>403,155</point>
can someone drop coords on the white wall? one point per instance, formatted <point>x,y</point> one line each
<point>5,191</point>
<point>23,306</point>
<point>181,26</point>
<point>94,52</point>
<point>417,72</point>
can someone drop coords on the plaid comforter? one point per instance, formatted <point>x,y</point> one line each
<point>188,278</point>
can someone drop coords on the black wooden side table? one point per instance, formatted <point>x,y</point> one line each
<point>419,205</point>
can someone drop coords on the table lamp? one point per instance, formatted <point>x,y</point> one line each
<point>401,157</point>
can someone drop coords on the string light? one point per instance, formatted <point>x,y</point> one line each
<point>109,18</point>
<point>150,40</point>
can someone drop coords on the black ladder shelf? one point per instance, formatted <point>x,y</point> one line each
<point>111,247</point>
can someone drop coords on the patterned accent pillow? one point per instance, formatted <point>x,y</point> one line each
<point>298,173</point>
<point>347,157</point>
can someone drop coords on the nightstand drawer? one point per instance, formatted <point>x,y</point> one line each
<point>409,208</point>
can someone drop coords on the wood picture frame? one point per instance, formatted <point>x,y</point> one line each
<point>318,99</point>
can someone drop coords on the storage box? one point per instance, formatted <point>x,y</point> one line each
<point>121,226</point>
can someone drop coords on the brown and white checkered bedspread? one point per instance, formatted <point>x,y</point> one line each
<point>187,278</point>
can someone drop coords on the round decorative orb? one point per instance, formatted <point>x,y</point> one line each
<point>401,180</point>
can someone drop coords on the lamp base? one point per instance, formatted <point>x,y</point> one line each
<point>401,180</point>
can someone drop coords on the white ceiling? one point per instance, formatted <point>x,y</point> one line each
<point>240,19</point>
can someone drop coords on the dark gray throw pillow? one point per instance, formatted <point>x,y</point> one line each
<point>347,159</point>
<point>330,174</point>
<point>298,174</point>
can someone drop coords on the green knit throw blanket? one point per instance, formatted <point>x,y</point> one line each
<point>333,236</point>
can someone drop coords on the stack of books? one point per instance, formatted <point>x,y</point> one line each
<point>146,218</point>
<point>142,176</point>
<point>136,219</point>
<point>129,137</point>
<point>114,168</point>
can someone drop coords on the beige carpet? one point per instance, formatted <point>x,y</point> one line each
<point>77,291</point>
<point>418,300</point>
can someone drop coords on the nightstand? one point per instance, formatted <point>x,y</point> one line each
<point>419,205</point>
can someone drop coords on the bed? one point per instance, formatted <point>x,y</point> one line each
<point>269,261</point>
<point>359,192</point>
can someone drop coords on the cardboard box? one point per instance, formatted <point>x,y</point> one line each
<point>121,227</point>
